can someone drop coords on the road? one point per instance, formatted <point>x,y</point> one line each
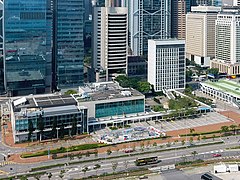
<point>167,157</point>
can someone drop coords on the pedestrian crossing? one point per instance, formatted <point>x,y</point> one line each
<point>4,163</point>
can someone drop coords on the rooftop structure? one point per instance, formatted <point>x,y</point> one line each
<point>104,91</point>
<point>108,99</point>
<point>62,110</point>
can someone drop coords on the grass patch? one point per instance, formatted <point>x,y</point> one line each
<point>190,162</point>
<point>200,133</point>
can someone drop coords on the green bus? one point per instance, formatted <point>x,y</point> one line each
<point>147,161</point>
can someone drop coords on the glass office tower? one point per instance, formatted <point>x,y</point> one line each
<point>68,43</point>
<point>27,54</point>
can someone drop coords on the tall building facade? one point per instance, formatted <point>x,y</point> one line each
<point>200,34</point>
<point>227,43</point>
<point>236,2</point>
<point>68,43</point>
<point>178,18</point>
<point>110,42</point>
<point>148,20</point>
<point>166,64</point>
<point>1,48</point>
<point>27,53</point>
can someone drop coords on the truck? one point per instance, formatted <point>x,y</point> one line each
<point>233,167</point>
<point>221,168</point>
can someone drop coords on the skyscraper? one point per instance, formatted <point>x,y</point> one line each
<point>110,41</point>
<point>200,34</point>
<point>68,43</point>
<point>166,64</point>
<point>148,20</point>
<point>1,48</point>
<point>178,19</point>
<point>227,43</point>
<point>27,53</point>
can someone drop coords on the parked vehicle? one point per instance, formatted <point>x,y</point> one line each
<point>216,155</point>
<point>222,168</point>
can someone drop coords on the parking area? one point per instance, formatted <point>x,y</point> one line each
<point>162,126</point>
<point>208,119</point>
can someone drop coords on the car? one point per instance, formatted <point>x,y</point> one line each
<point>216,155</point>
<point>128,150</point>
<point>206,176</point>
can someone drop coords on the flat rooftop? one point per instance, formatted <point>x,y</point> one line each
<point>104,91</point>
<point>227,86</point>
<point>47,101</point>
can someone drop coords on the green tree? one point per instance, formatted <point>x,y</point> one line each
<point>84,170</point>
<point>49,176</point>
<point>144,86</point>
<point>61,175</point>
<point>214,71</point>
<point>192,130</point>
<point>191,140</point>
<point>30,130</point>
<point>224,129</point>
<point>37,176</point>
<point>213,137</point>
<point>70,91</point>
<point>74,126</point>
<point>194,153</point>
<point>183,142</point>
<point>40,125</point>
<point>233,128</point>
<point>96,167</point>
<point>54,128</point>
<point>109,152</point>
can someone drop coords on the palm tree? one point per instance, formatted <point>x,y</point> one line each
<point>224,129</point>
<point>192,130</point>
<point>49,176</point>
<point>61,175</point>
<point>194,153</point>
<point>37,176</point>
<point>233,127</point>
<point>213,137</point>
<point>109,152</point>
<point>183,142</point>
<point>84,170</point>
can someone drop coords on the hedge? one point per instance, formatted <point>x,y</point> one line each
<point>63,150</point>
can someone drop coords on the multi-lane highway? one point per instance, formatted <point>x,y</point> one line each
<point>167,157</point>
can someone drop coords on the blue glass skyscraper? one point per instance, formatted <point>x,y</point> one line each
<point>68,43</point>
<point>26,48</point>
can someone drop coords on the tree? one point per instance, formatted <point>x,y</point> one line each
<point>214,71</point>
<point>155,144</point>
<point>109,152</point>
<point>74,126</point>
<point>37,176</point>
<point>144,86</point>
<point>40,125</point>
<point>54,128</point>
<point>233,127</point>
<point>224,129</point>
<point>183,142</point>
<point>192,130</point>
<point>204,137</point>
<point>199,138</point>
<point>213,137</point>
<point>194,153</point>
<point>70,91</point>
<point>30,130</point>
<point>142,146</point>
<point>61,175</point>
<point>61,131</point>
<point>84,170</point>
<point>191,140</point>
<point>49,176</point>
<point>114,166</point>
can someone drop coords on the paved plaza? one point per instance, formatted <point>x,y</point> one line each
<point>210,118</point>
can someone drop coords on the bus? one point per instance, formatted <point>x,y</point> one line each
<point>147,161</point>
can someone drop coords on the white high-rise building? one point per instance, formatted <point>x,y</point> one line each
<point>236,2</point>
<point>200,34</point>
<point>148,20</point>
<point>110,41</point>
<point>227,58</point>
<point>166,64</point>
